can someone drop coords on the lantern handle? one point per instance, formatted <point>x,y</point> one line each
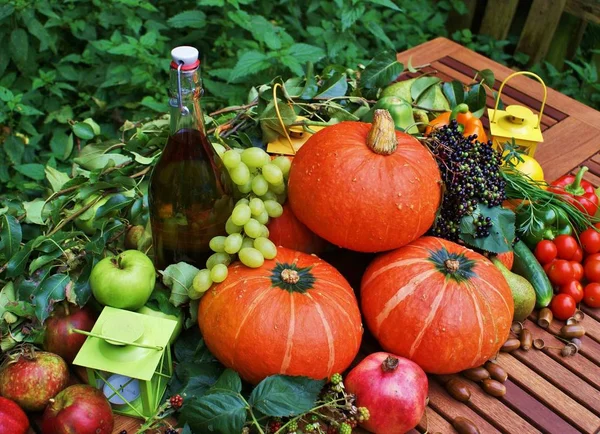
<point>522,73</point>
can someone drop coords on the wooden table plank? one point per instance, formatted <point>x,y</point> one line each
<point>550,395</point>
<point>432,422</point>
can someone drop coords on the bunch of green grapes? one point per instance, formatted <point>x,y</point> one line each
<point>263,182</point>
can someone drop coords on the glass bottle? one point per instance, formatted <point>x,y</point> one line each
<point>190,193</point>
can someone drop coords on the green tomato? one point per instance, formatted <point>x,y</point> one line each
<point>146,310</point>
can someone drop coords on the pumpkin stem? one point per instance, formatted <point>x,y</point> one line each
<point>390,364</point>
<point>381,138</point>
<point>452,265</point>
<point>290,276</point>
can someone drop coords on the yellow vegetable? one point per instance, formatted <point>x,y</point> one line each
<point>529,166</point>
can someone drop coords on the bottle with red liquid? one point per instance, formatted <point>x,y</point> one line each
<point>190,194</point>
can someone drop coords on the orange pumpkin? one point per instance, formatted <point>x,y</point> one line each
<point>365,187</point>
<point>437,303</point>
<point>295,315</point>
<point>507,259</point>
<point>287,231</point>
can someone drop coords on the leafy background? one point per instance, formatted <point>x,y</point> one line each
<point>108,60</point>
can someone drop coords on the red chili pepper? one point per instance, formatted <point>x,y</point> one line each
<point>577,191</point>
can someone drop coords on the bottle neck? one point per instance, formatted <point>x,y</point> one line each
<point>185,89</point>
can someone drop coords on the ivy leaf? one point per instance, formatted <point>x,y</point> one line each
<point>10,236</point>
<point>421,85</point>
<point>282,396</point>
<point>83,130</point>
<point>48,293</point>
<point>454,92</point>
<point>381,71</point>
<point>56,178</point>
<point>334,86</point>
<point>195,19</point>
<point>502,231</point>
<point>223,413</point>
<point>179,277</point>
<point>249,63</point>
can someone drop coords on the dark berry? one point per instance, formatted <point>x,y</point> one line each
<point>176,401</point>
<point>123,432</point>
<point>170,431</point>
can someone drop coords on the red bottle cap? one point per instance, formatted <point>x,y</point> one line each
<point>188,56</point>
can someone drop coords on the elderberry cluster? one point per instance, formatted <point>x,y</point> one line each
<point>470,171</point>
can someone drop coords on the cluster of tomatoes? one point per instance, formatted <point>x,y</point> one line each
<point>574,269</point>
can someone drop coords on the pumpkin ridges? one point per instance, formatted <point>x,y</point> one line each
<point>328,334</point>
<point>215,295</point>
<point>253,305</point>
<point>427,323</point>
<point>473,296</point>
<point>285,363</point>
<point>400,263</point>
<point>502,297</point>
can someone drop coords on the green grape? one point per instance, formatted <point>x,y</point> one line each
<point>218,258</point>
<point>217,244</point>
<point>256,206</point>
<point>251,257</point>
<point>238,150</point>
<point>233,243</point>
<point>247,242</point>
<point>281,198</point>
<point>277,188</point>
<point>231,227</point>
<point>231,159</point>
<point>272,174</point>
<point>245,188</point>
<point>269,195</point>
<point>255,157</point>
<point>264,231</point>
<point>266,247</point>
<point>259,185</point>
<point>240,214</point>
<point>253,228</point>
<point>218,273</point>
<point>240,174</point>
<point>284,164</point>
<point>273,208</point>
<point>243,200</point>
<point>263,217</point>
<point>220,149</point>
<point>200,284</point>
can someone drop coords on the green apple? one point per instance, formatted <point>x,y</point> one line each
<point>147,310</point>
<point>124,281</point>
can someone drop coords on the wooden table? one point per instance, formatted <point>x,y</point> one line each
<point>546,392</point>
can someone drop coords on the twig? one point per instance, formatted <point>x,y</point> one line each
<point>233,108</point>
<point>74,216</point>
<point>61,192</point>
<point>141,172</point>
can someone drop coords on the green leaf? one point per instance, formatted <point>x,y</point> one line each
<point>350,15</point>
<point>476,99</point>
<point>269,122</point>
<point>27,110</point>
<point>334,86</point>
<point>14,148</point>
<point>6,95</point>
<point>487,77</point>
<point>143,160</point>
<point>82,290</point>
<point>6,10</point>
<point>421,85</point>
<point>379,33</point>
<point>153,104</point>
<point>306,53</point>
<point>100,161</point>
<point>16,264</point>
<point>223,413</point>
<point>34,211</point>
<point>229,381</point>
<point>179,277</point>
<point>51,291</point>
<point>249,63</point>
<point>33,171</point>
<point>195,379</point>
<point>454,92</point>
<point>19,46</point>
<point>42,260</point>
<point>502,232</point>
<point>39,31</point>
<point>433,99</point>
<point>115,203</point>
<point>194,19</point>
<point>381,71</point>
<point>387,3</point>
<point>56,178</point>
<point>283,396</point>
<point>10,236</point>
<point>191,347</point>
<point>159,301</point>
<point>83,130</point>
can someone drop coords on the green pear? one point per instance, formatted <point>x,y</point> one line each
<point>522,291</point>
<point>400,89</point>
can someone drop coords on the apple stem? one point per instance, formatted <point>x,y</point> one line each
<point>66,307</point>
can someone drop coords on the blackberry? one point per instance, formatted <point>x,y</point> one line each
<point>170,431</point>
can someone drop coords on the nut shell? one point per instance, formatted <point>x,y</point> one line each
<point>493,387</point>
<point>496,372</point>
<point>572,331</point>
<point>458,389</point>
<point>510,345</point>
<point>462,425</point>
<point>476,374</point>
<point>526,340</point>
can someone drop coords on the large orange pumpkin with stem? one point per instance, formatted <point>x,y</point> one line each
<point>437,303</point>
<point>287,231</point>
<point>365,187</point>
<point>295,315</point>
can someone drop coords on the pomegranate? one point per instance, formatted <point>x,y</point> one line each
<point>394,390</point>
<point>60,338</point>
<point>13,420</point>
<point>31,378</point>
<point>80,409</point>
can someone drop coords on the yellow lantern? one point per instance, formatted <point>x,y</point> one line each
<point>517,122</point>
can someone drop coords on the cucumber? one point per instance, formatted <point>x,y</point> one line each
<point>527,265</point>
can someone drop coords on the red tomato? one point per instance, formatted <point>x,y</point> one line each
<point>591,294</point>
<point>590,241</point>
<point>574,289</point>
<point>566,246</point>
<point>578,256</point>
<point>545,252</point>
<point>563,306</point>
<point>592,271</point>
<point>592,257</point>
<point>577,270</point>
<point>560,272</point>
<point>548,265</point>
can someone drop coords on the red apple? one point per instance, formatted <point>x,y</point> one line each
<point>80,409</point>
<point>60,337</point>
<point>32,378</point>
<point>13,420</point>
<point>393,389</point>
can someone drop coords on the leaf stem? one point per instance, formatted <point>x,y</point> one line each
<point>254,421</point>
<point>74,216</point>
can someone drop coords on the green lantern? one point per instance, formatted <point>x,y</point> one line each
<point>127,356</point>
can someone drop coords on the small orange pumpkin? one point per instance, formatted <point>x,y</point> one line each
<point>295,315</point>
<point>287,231</point>
<point>365,187</point>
